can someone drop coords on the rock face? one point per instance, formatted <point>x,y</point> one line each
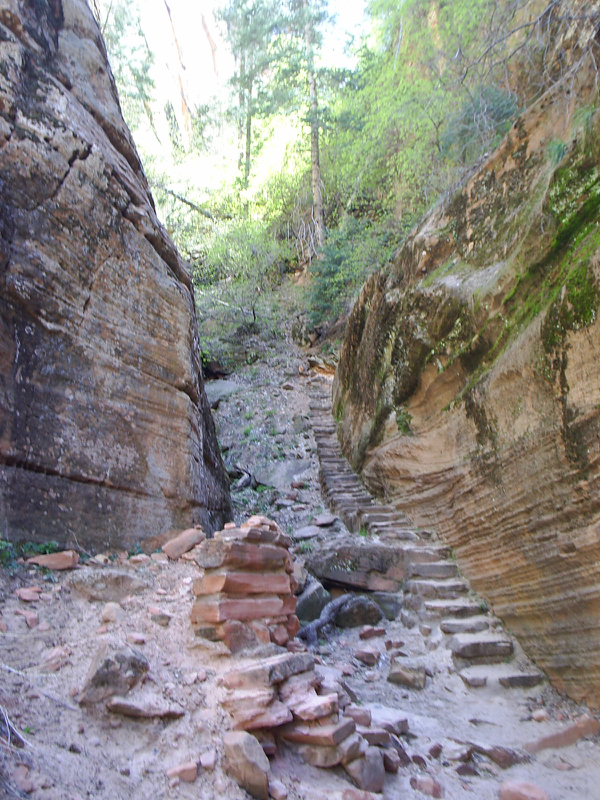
<point>468,385</point>
<point>105,431</point>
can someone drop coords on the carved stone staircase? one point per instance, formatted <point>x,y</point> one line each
<point>436,596</point>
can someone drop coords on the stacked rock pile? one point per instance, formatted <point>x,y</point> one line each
<point>284,697</point>
<point>245,596</point>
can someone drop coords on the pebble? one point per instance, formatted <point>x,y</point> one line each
<point>208,760</point>
<point>136,638</point>
<point>540,715</point>
<point>111,612</point>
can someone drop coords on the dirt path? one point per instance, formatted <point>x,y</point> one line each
<point>72,751</point>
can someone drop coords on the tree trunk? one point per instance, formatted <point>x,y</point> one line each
<point>315,162</point>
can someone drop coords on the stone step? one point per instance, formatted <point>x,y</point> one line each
<point>481,648</point>
<point>508,676</point>
<point>461,608</point>
<point>393,534</point>
<point>452,625</point>
<point>428,553</point>
<point>435,569</point>
<point>448,589</point>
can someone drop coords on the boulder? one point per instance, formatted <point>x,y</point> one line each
<point>368,772</point>
<point>118,443</point>
<point>246,762</point>
<point>312,601</point>
<point>358,611</point>
<point>112,673</point>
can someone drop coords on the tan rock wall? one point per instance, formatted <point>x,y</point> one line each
<point>468,390</point>
<point>105,433</point>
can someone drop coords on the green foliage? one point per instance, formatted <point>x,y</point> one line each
<point>350,254</point>
<point>403,420</point>
<point>556,150</point>
<point>11,551</point>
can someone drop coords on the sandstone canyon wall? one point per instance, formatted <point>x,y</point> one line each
<point>106,437</point>
<point>468,390</point>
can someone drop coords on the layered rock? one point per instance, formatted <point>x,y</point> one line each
<point>467,391</point>
<point>245,594</point>
<point>106,437</point>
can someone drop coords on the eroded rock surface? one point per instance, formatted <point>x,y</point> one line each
<point>105,431</point>
<point>467,391</point>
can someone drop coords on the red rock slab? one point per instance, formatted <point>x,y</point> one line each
<point>260,535</point>
<point>360,715</point>
<point>293,625</point>
<point>234,555</point>
<point>144,708</point>
<point>328,735</point>
<point>67,559</point>
<point>31,618</point>
<point>269,671</point>
<point>252,719</point>
<point>374,736</point>
<point>290,602</point>
<point>370,632</point>
<point>584,726</point>
<point>521,790</point>
<point>220,608</point>
<point>183,542</point>
<point>279,635</point>
<point>243,583</point>
<point>186,772</point>
<point>298,685</point>
<point>311,706</point>
<point>28,594</point>
<point>427,784</point>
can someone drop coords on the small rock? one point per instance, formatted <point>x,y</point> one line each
<point>136,638</point>
<point>184,542</point>
<point>308,532</point>
<point>112,674</point>
<point>67,559</point>
<point>405,674</point>
<point>111,612</point>
<point>55,658</point>
<point>20,776</point>
<point>324,520</point>
<point>28,594</point>
<point>31,618</point>
<point>427,785</point>
<point>367,655</point>
<point>391,760</point>
<point>369,632</point>
<point>521,790</point>
<point>246,762</point>
<point>277,789</point>
<point>140,558</point>
<point>208,760</point>
<point>540,715</point>
<point>584,726</point>
<point>435,750</point>
<point>161,619</point>
<point>312,601</point>
<point>360,715</point>
<point>186,772</point>
<point>368,772</point>
<point>144,707</point>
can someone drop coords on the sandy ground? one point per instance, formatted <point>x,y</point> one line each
<point>71,751</point>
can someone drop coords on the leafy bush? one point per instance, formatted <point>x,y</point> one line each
<point>352,252</point>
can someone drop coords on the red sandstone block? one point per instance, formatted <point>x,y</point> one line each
<point>239,555</point>
<point>293,625</point>
<point>242,583</point>
<point>319,734</point>
<point>289,604</point>
<point>219,608</point>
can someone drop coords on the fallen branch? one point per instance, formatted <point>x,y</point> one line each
<point>327,616</point>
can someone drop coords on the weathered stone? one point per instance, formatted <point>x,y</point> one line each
<point>375,566</point>
<point>390,719</point>
<point>186,772</point>
<point>66,559</point>
<point>505,757</point>
<point>427,784</point>
<point>391,760</point>
<point>242,583</point>
<point>269,671</point>
<point>277,789</point>
<point>358,611</point>
<point>111,612</point>
<point>28,594</point>
<point>312,601</point>
<point>405,674</point>
<point>112,674</point>
<point>208,760</point>
<point>367,655</point>
<point>234,555</point>
<point>183,542</point>
<point>146,706</point>
<point>521,790</point>
<point>310,706</point>
<point>238,636</point>
<point>109,583</point>
<point>370,632</point>
<point>368,772</point>
<point>246,763</point>
<point>31,618</point>
<point>480,645</point>
<point>55,658</point>
<point>308,532</point>
<point>584,726</point>
<point>221,607</point>
<point>327,735</point>
<point>360,714</point>
<point>118,442</point>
